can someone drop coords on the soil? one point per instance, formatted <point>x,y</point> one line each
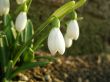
<point>85,68</point>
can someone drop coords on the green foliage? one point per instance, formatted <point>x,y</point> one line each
<point>19,46</point>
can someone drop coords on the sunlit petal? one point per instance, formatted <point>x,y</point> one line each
<point>73,30</point>
<point>4,7</point>
<point>21,21</point>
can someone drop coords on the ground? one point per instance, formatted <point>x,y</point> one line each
<point>86,68</point>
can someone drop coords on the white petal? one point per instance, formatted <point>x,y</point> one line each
<point>60,42</point>
<point>73,30</point>
<point>4,7</point>
<point>20,1</point>
<point>68,41</point>
<point>56,41</point>
<point>51,42</point>
<point>21,21</point>
<point>6,11</point>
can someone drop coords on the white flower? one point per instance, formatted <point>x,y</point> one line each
<point>73,30</point>
<point>21,21</point>
<point>20,1</point>
<point>4,7</point>
<point>68,41</point>
<point>56,41</point>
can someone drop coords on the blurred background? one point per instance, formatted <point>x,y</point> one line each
<point>94,28</point>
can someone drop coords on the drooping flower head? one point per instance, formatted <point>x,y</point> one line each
<point>21,21</point>
<point>4,7</point>
<point>72,30</point>
<point>56,41</point>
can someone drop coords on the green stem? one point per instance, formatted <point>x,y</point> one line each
<point>29,3</point>
<point>20,8</point>
<point>61,12</point>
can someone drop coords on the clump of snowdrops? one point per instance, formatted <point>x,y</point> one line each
<point>18,39</point>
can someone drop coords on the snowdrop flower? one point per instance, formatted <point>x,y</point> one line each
<point>56,41</point>
<point>73,30</point>
<point>4,7</point>
<point>21,21</point>
<point>20,1</point>
<point>68,41</point>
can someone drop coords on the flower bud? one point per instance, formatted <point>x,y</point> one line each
<point>4,7</point>
<point>72,30</point>
<point>19,2</point>
<point>56,41</point>
<point>21,21</point>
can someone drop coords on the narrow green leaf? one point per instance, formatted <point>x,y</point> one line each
<point>50,58</point>
<point>3,50</point>
<point>29,31</point>
<point>67,8</point>
<point>26,66</point>
<point>42,36</point>
<point>9,69</point>
<point>9,29</point>
<point>7,19</point>
<point>28,55</point>
<point>2,53</point>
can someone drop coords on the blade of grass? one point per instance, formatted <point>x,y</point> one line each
<point>50,58</point>
<point>26,66</point>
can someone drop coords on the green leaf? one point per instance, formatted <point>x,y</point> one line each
<point>9,69</point>
<point>67,8</point>
<point>50,58</point>
<point>26,66</point>
<point>9,29</point>
<point>7,19</point>
<point>28,55</point>
<point>3,49</point>
<point>42,36</point>
<point>28,31</point>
